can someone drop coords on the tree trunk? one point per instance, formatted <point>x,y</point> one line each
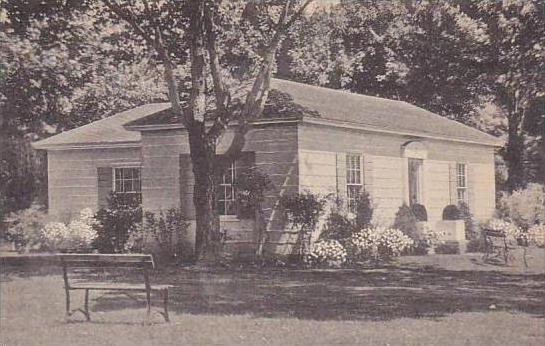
<point>207,233</point>
<point>514,152</point>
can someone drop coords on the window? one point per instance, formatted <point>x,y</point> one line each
<point>226,192</point>
<point>127,180</point>
<point>461,182</point>
<point>354,184</point>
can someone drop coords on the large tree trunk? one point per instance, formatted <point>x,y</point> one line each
<point>203,152</point>
<point>514,153</point>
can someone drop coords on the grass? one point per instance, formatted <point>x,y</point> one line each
<point>429,300</point>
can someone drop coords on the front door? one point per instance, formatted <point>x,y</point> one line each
<point>415,181</point>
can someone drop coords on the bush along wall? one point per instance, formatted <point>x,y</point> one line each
<point>118,223</point>
<point>303,210</point>
<point>168,228</point>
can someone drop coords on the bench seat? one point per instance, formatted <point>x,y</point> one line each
<point>84,264</point>
<point>114,286</point>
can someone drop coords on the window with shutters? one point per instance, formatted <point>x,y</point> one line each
<point>127,180</point>
<point>354,184</point>
<point>226,203</point>
<point>461,182</point>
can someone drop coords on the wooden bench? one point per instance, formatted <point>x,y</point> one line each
<point>141,262</point>
<point>495,245</point>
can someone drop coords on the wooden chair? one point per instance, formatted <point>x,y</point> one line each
<point>141,262</point>
<point>496,245</point>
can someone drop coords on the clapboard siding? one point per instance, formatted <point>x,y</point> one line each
<point>388,191</point>
<point>334,139</point>
<point>317,171</point>
<point>161,169</point>
<point>437,188</point>
<point>385,171</point>
<point>72,177</point>
<point>276,154</point>
<point>481,180</point>
<point>167,177</point>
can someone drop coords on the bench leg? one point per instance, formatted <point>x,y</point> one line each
<point>148,306</point>
<point>67,314</point>
<point>165,303</point>
<point>86,306</point>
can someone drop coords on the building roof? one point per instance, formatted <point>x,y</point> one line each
<point>106,131</point>
<point>336,106</point>
<point>383,115</point>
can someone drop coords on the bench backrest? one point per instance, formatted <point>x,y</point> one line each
<point>141,261</point>
<point>493,234</point>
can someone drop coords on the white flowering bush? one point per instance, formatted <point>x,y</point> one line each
<point>327,252</point>
<point>23,228</point>
<point>430,238</point>
<point>55,235</point>
<point>508,228</point>
<point>536,235</point>
<point>79,234</point>
<point>379,243</point>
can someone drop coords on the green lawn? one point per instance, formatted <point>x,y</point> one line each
<point>430,300</point>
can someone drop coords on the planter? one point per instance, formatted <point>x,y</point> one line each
<point>453,232</point>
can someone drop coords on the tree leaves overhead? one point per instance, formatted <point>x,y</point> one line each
<point>65,69</point>
<point>461,59</point>
<point>427,53</point>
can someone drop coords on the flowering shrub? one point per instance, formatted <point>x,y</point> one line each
<point>405,221</point>
<point>303,210</point>
<point>78,235</point>
<point>117,223</point>
<point>168,228</point>
<point>509,229</point>
<point>525,207</point>
<point>429,238</point>
<point>379,243</point>
<point>23,228</point>
<point>536,235</point>
<point>340,224</point>
<point>56,235</point>
<point>327,252</point>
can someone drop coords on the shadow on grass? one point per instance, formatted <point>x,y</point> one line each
<point>380,294</point>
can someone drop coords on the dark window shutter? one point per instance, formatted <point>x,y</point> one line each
<point>341,177</point>
<point>244,164</point>
<point>453,184</point>
<point>105,183</point>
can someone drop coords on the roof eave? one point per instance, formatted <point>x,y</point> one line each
<point>155,127</point>
<point>345,124</point>
<point>90,145</point>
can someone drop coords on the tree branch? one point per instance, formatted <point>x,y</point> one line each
<point>197,97</point>
<point>257,97</point>
<point>223,97</point>
<point>157,44</point>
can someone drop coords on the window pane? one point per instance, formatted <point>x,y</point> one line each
<point>118,185</point>
<point>461,195</point>
<point>127,186</point>
<point>230,208</point>
<point>137,185</point>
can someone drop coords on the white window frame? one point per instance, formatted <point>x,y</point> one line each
<point>461,183</point>
<point>223,200</point>
<point>354,179</point>
<point>114,179</point>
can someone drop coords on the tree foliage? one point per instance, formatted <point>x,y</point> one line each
<point>477,62</point>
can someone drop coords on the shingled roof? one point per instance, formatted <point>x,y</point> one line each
<point>105,131</point>
<point>340,107</point>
